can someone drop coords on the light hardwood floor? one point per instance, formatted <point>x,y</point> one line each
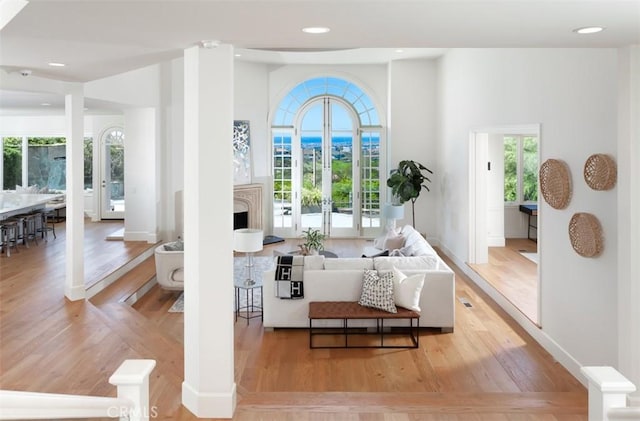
<point>513,275</point>
<point>488,369</point>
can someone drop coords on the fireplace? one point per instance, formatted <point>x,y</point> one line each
<point>247,206</point>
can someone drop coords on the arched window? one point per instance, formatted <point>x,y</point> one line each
<point>326,147</point>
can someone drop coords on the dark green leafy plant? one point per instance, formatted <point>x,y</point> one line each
<point>406,182</point>
<point>313,240</point>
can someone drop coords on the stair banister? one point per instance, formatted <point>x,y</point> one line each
<point>131,380</point>
<point>608,391</point>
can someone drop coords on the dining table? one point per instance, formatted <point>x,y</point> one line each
<point>18,203</point>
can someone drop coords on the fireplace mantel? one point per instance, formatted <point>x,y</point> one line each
<point>249,197</point>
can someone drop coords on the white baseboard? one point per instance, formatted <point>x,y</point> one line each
<point>75,293</point>
<point>209,405</point>
<point>149,237</point>
<point>540,336</point>
<point>496,242</point>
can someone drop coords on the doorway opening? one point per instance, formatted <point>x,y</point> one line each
<point>503,219</point>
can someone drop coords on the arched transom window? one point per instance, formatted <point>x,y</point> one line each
<point>326,150</point>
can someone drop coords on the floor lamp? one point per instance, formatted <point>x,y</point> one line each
<point>248,240</point>
<point>392,212</point>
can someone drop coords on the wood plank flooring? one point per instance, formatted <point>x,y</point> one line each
<point>513,275</point>
<point>488,369</point>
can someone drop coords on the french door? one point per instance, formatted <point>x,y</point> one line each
<point>112,202</point>
<point>328,172</point>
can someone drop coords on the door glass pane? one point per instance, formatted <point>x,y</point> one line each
<point>11,163</point>
<point>530,170</point>
<point>114,160</point>
<point>88,163</point>
<point>282,189</point>
<point>341,167</point>
<point>510,169</point>
<point>311,143</point>
<point>370,176</point>
<point>47,157</point>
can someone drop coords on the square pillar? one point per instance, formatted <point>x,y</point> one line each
<point>209,389</point>
<point>74,288</point>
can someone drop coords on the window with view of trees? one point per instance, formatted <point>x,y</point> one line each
<point>45,164</point>
<point>520,169</point>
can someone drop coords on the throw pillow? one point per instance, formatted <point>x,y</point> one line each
<point>377,291</point>
<point>407,289</point>
<point>393,243</point>
<point>174,246</point>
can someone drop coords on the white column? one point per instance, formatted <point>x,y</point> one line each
<point>25,161</point>
<point>628,186</point>
<point>74,112</point>
<point>2,164</point>
<point>208,389</point>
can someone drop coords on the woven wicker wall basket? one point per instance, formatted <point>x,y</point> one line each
<point>555,183</point>
<point>600,172</point>
<point>585,233</point>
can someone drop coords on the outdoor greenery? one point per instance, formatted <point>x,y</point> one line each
<point>512,146</point>
<point>46,162</point>
<point>12,160</point>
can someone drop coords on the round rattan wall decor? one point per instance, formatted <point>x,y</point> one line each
<point>600,172</point>
<point>555,183</point>
<point>585,233</point>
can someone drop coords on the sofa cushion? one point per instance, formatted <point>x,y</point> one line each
<point>407,289</point>
<point>415,244</point>
<point>314,262</point>
<point>377,291</point>
<point>384,264</point>
<point>379,241</point>
<point>348,263</point>
<point>393,242</point>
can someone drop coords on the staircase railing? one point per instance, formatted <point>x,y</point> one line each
<point>608,390</point>
<point>132,402</point>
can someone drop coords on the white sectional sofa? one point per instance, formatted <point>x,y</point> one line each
<point>340,279</point>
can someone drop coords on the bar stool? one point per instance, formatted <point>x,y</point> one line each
<point>29,227</point>
<point>9,235</point>
<point>46,226</point>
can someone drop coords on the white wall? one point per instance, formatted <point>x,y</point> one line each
<point>251,96</point>
<point>495,192</point>
<point>628,210</point>
<point>572,93</point>
<point>412,133</point>
<point>140,169</point>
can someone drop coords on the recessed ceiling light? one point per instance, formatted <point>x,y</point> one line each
<point>589,30</point>
<point>237,55</point>
<point>45,104</point>
<point>399,50</point>
<point>56,64</point>
<point>316,30</point>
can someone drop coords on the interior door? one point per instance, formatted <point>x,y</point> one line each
<point>112,199</point>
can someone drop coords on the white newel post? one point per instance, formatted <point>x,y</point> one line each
<point>132,381</point>
<point>74,112</point>
<point>208,389</point>
<point>607,389</point>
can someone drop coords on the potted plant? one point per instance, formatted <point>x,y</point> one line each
<point>406,182</point>
<point>312,241</point>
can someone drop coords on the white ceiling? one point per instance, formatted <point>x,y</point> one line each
<point>97,38</point>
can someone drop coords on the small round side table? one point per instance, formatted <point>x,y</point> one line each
<point>251,309</point>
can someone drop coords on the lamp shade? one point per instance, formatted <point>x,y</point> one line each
<point>247,240</point>
<point>393,211</point>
